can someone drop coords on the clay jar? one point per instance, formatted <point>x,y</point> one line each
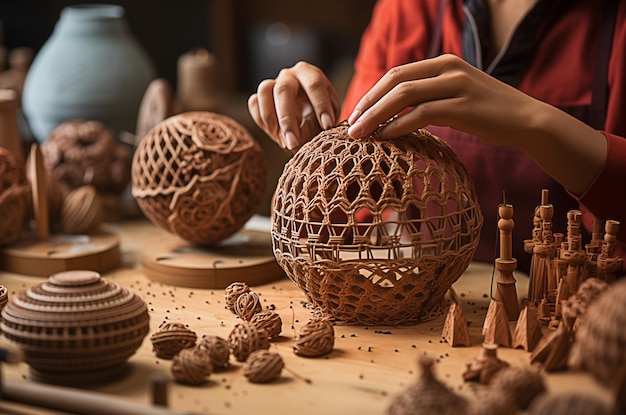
<point>92,68</point>
<point>76,328</point>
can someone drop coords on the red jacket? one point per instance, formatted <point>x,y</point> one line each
<point>552,57</point>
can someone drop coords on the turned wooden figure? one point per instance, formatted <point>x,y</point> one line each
<point>455,330</point>
<point>573,254</point>
<point>541,275</point>
<point>608,264</point>
<point>527,330</point>
<point>506,264</point>
<point>496,326</point>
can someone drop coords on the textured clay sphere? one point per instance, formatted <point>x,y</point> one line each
<point>76,328</point>
<point>14,197</point>
<point>199,175</point>
<point>375,231</point>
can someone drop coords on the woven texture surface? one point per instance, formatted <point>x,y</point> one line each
<point>375,231</point>
<point>199,175</point>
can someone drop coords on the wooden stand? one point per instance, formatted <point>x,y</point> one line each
<point>97,252</point>
<point>246,256</point>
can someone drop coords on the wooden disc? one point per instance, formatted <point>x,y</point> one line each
<point>246,256</point>
<point>37,173</point>
<point>97,252</point>
<point>156,105</point>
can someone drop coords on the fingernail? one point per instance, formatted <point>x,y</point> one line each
<point>291,141</point>
<point>355,130</point>
<point>327,122</point>
<point>354,116</point>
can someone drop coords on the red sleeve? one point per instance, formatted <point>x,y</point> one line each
<point>398,33</point>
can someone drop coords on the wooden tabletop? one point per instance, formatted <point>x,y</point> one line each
<point>368,367</point>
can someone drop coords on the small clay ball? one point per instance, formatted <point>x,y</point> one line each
<point>270,321</point>
<point>217,348</point>
<point>315,338</point>
<point>247,305</point>
<point>81,211</point>
<point>232,293</point>
<point>245,339</point>
<point>14,197</point>
<point>199,175</point>
<point>171,338</point>
<point>568,404</point>
<point>518,385</point>
<point>191,366</point>
<point>263,366</point>
<point>80,152</point>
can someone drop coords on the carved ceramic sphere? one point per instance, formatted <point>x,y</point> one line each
<point>199,175</point>
<point>247,305</point>
<point>217,349</point>
<point>191,366</point>
<point>270,321</point>
<point>76,328</point>
<point>316,338</point>
<point>14,197</point>
<point>232,293</point>
<point>82,210</point>
<point>375,231</point>
<point>171,338</point>
<point>263,366</point>
<point>246,338</point>
<point>80,152</point>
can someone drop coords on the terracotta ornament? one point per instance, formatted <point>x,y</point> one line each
<point>496,326</point>
<point>232,293</point>
<point>427,396</point>
<point>455,330</point>
<point>375,231</point>
<point>608,263</point>
<point>4,296</point>
<point>506,264</point>
<point>76,328</point>
<point>315,338</point>
<point>171,338</point>
<point>270,321</point>
<point>217,348</point>
<point>527,330</point>
<point>80,152</point>
<point>263,366</point>
<point>518,384</point>
<point>157,104</point>
<point>247,305</point>
<point>600,340</point>
<point>197,81</point>
<point>482,367</point>
<point>246,338</point>
<point>191,366</point>
<point>14,197</point>
<point>199,175</point>
<point>82,210</point>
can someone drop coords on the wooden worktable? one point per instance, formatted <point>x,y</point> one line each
<point>368,367</point>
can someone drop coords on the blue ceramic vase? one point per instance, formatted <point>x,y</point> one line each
<point>92,68</point>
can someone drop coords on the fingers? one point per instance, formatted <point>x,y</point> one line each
<point>405,87</point>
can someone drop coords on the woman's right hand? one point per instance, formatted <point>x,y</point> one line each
<point>295,106</point>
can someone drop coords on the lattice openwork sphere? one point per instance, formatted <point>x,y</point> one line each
<point>76,328</point>
<point>375,231</point>
<point>199,175</point>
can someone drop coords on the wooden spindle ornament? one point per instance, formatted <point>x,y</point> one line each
<point>506,264</point>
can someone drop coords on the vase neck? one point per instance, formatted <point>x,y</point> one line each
<point>91,18</point>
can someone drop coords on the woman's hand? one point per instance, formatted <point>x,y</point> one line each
<point>447,91</point>
<point>295,106</point>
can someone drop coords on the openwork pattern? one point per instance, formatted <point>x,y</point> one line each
<point>14,197</point>
<point>199,175</point>
<point>375,231</point>
<point>76,327</point>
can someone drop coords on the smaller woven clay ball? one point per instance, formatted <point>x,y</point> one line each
<point>316,338</point>
<point>80,152</point>
<point>601,340</point>
<point>82,210</point>
<point>171,338</point>
<point>191,366</point>
<point>270,321</point>
<point>247,305</point>
<point>263,366</point>
<point>14,197</point>
<point>519,385</point>
<point>217,349</point>
<point>199,175</point>
<point>245,339</point>
<point>232,293</point>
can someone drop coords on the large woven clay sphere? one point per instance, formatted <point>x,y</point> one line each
<point>199,175</point>
<point>14,197</point>
<point>76,328</point>
<point>375,231</point>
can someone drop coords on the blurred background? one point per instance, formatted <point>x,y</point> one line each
<point>250,39</point>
